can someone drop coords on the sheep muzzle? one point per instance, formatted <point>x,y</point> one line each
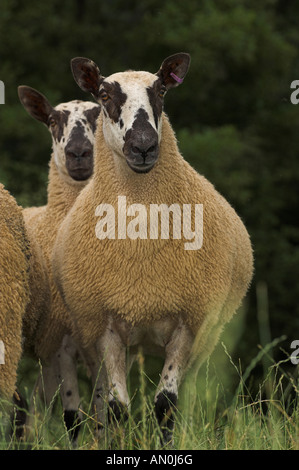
<point>141,147</point>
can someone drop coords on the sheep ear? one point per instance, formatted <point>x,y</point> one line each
<point>87,75</point>
<point>174,69</point>
<point>35,103</point>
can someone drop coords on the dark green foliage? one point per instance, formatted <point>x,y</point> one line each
<point>233,116</point>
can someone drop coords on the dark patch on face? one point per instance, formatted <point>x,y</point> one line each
<point>79,154</point>
<point>92,116</point>
<point>141,144</point>
<point>57,122</point>
<point>116,99</point>
<point>155,100</point>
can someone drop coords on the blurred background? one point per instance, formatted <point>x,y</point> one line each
<point>233,119</point>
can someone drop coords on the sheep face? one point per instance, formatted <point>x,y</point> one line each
<point>132,104</point>
<point>72,126</point>
<point>131,127</point>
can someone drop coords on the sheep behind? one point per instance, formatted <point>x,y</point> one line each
<point>72,126</point>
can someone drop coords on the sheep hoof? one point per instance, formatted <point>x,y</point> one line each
<point>18,416</point>
<point>167,438</point>
<point>117,411</point>
<point>164,407</point>
<point>73,423</point>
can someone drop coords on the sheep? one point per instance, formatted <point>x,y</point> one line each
<point>15,254</point>
<point>72,127</point>
<point>125,284</point>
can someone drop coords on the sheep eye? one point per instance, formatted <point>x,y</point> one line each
<point>162,92</point>
<point>52,122</point>
<point>104,96</point>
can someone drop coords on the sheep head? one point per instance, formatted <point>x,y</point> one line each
<point>72,126</point>
<point>132,104</point>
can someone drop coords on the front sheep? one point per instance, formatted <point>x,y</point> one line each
<point>128,282</point>
<point>14,291</point>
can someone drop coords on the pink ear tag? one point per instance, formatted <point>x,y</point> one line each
<point>176,78</point>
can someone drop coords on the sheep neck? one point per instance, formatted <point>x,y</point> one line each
<point>61,193</point>
<point>112,176</point>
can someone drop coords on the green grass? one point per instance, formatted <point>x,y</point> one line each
<point>224,406</point>
<point>210,414</point>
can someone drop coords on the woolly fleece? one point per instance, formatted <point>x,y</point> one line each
<point>43,223</point>
<point>142,281</point>
<point>14,288</point>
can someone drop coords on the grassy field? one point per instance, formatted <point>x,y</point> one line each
<point>209,416</point>
<point>217,409</point>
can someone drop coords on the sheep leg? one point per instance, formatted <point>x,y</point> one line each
<point>49,384</point>
<point>67,375</point>
<point>44,391</point>
<point>114,352</point>
<point>177,352</point>
<point>99,383</point>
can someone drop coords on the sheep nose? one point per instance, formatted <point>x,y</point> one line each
<point>77,153</point>
<point>144,150</point>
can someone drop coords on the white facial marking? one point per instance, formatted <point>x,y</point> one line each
<point>134,85</point>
